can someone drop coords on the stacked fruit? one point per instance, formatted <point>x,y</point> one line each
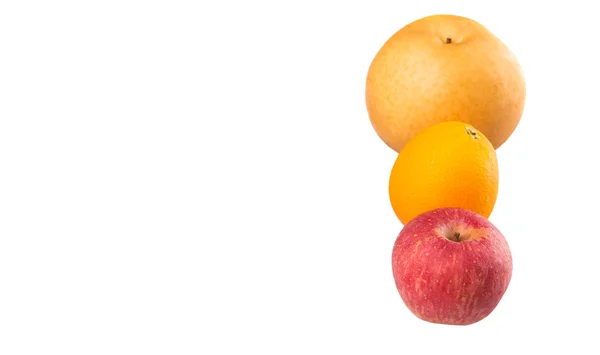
<point>445,93</point>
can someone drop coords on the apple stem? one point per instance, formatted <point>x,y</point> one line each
<point>448,40</point>
<point>457,236</point>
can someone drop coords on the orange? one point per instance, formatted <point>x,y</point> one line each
<point>449,164</point>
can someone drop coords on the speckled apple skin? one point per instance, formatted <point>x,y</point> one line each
<point>448,282</point>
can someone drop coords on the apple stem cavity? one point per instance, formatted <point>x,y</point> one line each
<point>453,232</point>
<point>448,40</point>
<point>457,236</point>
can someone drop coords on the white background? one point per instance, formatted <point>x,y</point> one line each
<point>184,177</point>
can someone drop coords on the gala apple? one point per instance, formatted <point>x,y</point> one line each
<point>451,266</point>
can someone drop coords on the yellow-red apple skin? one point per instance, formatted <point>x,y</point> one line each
<point>451,282</point>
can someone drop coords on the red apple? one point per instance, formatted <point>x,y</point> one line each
<point>451,266</point>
